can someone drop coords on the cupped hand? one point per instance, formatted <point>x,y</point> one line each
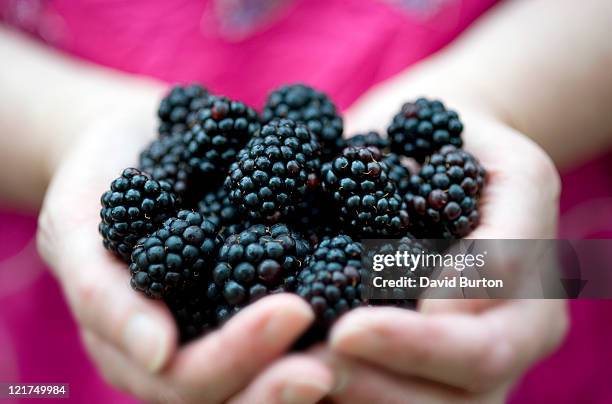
<point>133,339</point>
<point>458,350</point>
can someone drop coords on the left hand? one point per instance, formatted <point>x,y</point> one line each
<point>459,350</point>
<point>131,339</point>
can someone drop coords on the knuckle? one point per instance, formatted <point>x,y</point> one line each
<point>87,296</point>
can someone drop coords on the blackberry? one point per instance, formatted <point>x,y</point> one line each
<point>399,297</point>
<point>254,263</point>
<point>175,257</point>
<point>302,103</point>
<point>193,313</point>
<point>368,139</point>
<point>331,281</point>
<point>216,207</point>
<point>423,127</point>
<point>398,172</point>
<point>176,106</point>
<point>218,131</point>
<point>366,199</point>
<point>134,206</point>
<point>273,172</point>
<point>163,159</point>
<point>443,200</point>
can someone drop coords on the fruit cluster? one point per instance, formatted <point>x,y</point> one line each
<point>228,206</point>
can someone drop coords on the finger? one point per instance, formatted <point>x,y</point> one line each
<point>230,357</point>
<point>96,284</point>
<point>432,306</point>
<point>120,371</point>
<point>543,326</point>
<point>296,379</point>
<point>358,382</point>
<point>474,352</point>
<point>98,291</point>
<point>459,350</point>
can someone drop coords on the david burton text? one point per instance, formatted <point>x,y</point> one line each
<point>426,282</point>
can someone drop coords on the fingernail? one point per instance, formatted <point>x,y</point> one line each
<point>144,341</point>
<point>285,321</point>
<point>303,391</point>
<point>342,377</point>
<point>353,336</point>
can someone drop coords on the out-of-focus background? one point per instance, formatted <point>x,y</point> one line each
<point>243,49</point>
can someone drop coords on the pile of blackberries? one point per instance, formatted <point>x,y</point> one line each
<point>228,206</point>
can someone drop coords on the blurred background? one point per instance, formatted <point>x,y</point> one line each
<point>244,48</point>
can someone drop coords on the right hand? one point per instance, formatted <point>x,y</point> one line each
<point>132,339</point>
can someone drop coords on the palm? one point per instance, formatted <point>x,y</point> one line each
<point>96,284</point>
<point>472,345</point>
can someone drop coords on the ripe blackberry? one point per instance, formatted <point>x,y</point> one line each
<point>302,103</point>
<point>273,171</point>
<point>134,206</point>
<point>398,172</point>
<point>399,297</point>
<point>331,281</point>
<point>443,200</point>
<point>216,207</point>
<point>368,139</point>
<point>176,106</point>
<point>423,127</point>
<point>192,312</point>
<point>366,199</point>
<point>254,263</point>
<point>163,159</point>
<point>176,256</point>
<point>218,131</point>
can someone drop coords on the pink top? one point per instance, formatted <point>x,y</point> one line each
<point>340,46</point>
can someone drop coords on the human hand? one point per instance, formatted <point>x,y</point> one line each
<point>133,339</point>
<point>458,350</point>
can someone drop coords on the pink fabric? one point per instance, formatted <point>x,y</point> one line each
<point>340,46</point>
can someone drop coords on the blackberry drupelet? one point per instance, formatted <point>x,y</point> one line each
<point>423,127</point>
<point>331,282</point>
<point>398,172</point>
<point>218,131</point>
<point>216,207</point>
<point>192,312</point>
<point>256,262</point>
<point>176,106</point>
<point>134,206</point>
<point>366,199</point>
<point>274,171</point>
<point>175,257</point>
<point>443,200</point>
<point>368,139</point>
<point>163,159</point>
<point>302,103</point>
